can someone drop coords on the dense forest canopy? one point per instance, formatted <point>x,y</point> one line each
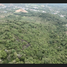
<point>36,37</point>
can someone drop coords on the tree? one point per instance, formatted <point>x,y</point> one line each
<point>39,55</point>
<point>3,54</point>
<point>22,58</point>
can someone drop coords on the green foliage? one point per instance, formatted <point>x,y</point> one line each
<point>22,59</point>
<point>17,60</point>
<point>3,54</point>
<point>33,38</point>
<point>39,55</point>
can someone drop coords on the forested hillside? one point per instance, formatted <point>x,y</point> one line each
<point>33,38</point>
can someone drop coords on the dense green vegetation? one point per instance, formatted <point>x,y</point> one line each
<point>33,38</point>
